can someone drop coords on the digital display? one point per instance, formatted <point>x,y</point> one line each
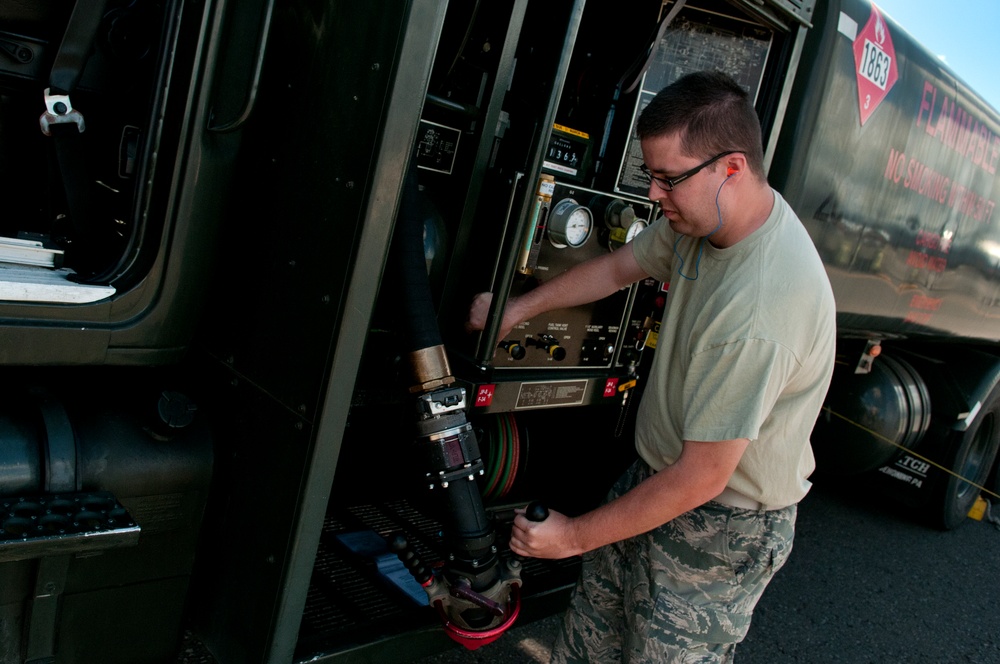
<point>568,153</point>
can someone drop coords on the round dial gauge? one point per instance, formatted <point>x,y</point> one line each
<point>570,224</point>
<point>634,229</point>
<point>619,237</point>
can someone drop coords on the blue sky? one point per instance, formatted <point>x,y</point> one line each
<point>965,33</point>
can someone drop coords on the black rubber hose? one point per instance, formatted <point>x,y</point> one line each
<point>419,314</point>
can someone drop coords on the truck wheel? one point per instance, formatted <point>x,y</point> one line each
<point>975,450</point>
<point>993,484</point>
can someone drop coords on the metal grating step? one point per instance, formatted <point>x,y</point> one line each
<point>63,523</point>
<point>350,602</point>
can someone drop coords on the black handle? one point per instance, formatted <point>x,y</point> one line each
<point>399,545</point>
<point>250,101</point>
<point>535,511</point>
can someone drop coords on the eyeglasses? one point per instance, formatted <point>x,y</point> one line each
<point>668,184</point>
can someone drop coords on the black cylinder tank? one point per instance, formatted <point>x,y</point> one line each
<point>149,451</point>
<point>868,419</point>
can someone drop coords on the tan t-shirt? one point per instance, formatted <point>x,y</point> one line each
<point>745,350</point>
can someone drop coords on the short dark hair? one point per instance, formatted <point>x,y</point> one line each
<point>712,114</point>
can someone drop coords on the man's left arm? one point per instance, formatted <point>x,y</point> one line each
<point>699,475</point>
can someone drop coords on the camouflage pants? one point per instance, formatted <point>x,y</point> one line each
<point>682,593</point>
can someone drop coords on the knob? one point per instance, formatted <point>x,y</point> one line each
<point>551,346</point>
<point>514,348</point>
<point>536,511</point>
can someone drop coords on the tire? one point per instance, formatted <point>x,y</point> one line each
<point>993,485</point>
<point>975,451</point>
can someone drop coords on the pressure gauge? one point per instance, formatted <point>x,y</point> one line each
<point>569,224</point>
<point>634,229</point>
<point>619,237</point>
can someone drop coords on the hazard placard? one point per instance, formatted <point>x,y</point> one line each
<point>875,60</point>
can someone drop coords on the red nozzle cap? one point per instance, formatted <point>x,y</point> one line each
<point>471,640</point>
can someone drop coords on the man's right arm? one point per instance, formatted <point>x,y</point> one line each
<point>585,282</point>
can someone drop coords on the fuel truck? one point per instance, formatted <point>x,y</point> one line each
<point>239,240</point>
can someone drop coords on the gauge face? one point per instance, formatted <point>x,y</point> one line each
<point>570,224</point>
<point>634,229</point>
<point>619,237</point>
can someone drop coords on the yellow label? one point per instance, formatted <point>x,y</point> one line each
<point>653,335</point>
<point>568,130</point>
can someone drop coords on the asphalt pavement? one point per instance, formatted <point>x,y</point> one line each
<point>867,583</point>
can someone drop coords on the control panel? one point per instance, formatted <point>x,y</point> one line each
<point>571,224</point>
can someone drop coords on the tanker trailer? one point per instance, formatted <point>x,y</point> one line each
<point>890,160</point>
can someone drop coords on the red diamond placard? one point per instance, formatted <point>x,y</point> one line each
<point>875,62</point>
